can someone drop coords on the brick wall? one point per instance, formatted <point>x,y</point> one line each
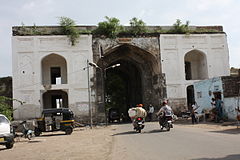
<point>230,86</point>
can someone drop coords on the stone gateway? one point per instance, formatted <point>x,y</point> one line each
<point>49,72</point>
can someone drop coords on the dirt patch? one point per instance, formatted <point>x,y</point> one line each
<point>83,143</point>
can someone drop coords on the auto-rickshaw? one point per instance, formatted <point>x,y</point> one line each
<point>55,119</point>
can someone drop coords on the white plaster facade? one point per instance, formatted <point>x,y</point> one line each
<point>33,56</point>
<point>213,49</point>
<point>30,83</point>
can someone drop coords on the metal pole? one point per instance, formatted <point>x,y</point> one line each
<point>104,94</point>
<point>89,96</point>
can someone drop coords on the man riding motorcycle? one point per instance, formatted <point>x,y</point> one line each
<point>164,114</point>
<point>140,114</point>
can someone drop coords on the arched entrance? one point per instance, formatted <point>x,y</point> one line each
<point>195,65</point>
<point>55,99</point>
<point>123,86</point>
<point>134,81</point>
<point>190,95</point>
<point>54,70</point>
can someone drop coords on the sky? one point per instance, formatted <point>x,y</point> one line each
<point>90,12</point>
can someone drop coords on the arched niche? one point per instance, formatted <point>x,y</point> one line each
<point>54,69</point>
<point>195,65</point>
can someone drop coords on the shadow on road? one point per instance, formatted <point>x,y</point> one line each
<point>49,135</point>
<point>2,149</point>
<point>229,157</point>
<point>143,132</point>
<point>228,131</point>
<point>34,141</point>
<point>156,131</point>
<point>125,133</point>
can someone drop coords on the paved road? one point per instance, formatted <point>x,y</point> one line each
<point>181,143</point>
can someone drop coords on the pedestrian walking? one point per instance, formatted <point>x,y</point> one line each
<point>150,112</point>
<point>193,109</point>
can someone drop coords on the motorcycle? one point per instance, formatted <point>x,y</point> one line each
<point>139,124</point>
<point>25,132</point>
<point>165,121</point>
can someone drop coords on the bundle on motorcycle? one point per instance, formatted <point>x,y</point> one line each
<point>55,119</point>
<point>136,114</point>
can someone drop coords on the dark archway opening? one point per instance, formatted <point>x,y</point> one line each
<point>123,87</point>
<point>55,99</point>
<point>190,95</point>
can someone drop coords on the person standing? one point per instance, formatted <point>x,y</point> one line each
<point>219,109</point>
<point>150,112</point>
<point>193,114</point>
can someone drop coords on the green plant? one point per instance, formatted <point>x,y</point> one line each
<point>110,28</point>
<point>69,29</point>
<point>5,108</point>
<point>178,27</point>
<point>137,26</point>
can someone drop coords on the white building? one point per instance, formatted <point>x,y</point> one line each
<point>190,58</point>
<point>48,70</point>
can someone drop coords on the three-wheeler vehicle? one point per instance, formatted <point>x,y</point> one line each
<point>55,119</point>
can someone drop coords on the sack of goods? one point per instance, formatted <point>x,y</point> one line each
<point>132,112</point>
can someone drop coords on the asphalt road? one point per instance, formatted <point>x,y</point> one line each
<point>181,143</point>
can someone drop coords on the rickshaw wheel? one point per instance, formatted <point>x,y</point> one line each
<point>37,132</point>
<point>68,131</point>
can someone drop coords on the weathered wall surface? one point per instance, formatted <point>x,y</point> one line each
<point>203,91</point>
<point>228,87</point>
<point>28,52</point>
<point>144,53</point>
<point>231,86</point>
<point>160,58</point>
<point>173,50</point>
<point>230,105</point>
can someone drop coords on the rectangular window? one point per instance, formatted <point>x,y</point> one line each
<point>55,75</point>
<point>199,94</point>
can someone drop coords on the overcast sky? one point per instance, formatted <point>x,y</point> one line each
<point>90,12</point>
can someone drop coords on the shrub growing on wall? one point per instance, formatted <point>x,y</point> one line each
<point>179,27</point>
<point>137,26</point>
<point>109,28</point>
<point>69,29</point>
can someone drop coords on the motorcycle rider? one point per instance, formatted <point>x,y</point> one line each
<point>164,112</point>
<point>140,113</point>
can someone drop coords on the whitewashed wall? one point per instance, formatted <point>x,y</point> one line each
<point>28,52</point>
<point>173,49</point>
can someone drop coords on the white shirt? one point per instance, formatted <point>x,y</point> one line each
<point>151,109</point>
<point>167,109</point>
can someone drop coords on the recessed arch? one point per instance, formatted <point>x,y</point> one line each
<point>55,99</point>
<point>133,53</point>
<point>138,75</point>
<point>54,69</point>
<point>195,65</point>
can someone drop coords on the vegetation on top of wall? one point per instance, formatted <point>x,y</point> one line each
<point>179,28</point>
<point>137,26</point>
<point>69,29</point>
<point>109,28</point>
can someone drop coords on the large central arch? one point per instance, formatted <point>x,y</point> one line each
<point>136,79</point>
